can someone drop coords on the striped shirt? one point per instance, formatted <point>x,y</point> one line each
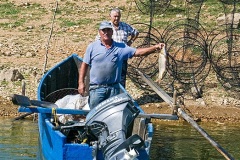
<point>123,31</point>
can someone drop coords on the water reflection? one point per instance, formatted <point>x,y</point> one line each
<point>179,140</point>
<point>18,139</point>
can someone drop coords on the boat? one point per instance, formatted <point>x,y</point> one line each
<point>117,128</point>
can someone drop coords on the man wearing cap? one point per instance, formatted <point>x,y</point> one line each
<point>122,32</point>
<point>105,56</point>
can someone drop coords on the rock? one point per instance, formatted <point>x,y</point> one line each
<point>7,53</point>
<point>201,102</point>
<point>30,54</point>
<point>228,19</point>
<point>30,27</point>
<point>197,91</point>
<point>16,75</point>
<point>10,75</point>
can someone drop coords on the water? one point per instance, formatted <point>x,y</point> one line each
<point>18,139</point>
<point>172,140</point>
<point>177,140</point>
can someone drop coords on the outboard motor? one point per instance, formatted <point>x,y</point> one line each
<point>110,122</point>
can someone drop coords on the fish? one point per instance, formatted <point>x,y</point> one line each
<point>162,59</point>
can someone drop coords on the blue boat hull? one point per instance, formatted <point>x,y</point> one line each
<point>53,143</point>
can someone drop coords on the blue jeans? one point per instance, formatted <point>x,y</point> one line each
<point>99,94</point>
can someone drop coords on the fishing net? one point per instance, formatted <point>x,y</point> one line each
<point>58,94</point>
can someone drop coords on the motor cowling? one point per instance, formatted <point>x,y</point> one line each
<point>110,122</point>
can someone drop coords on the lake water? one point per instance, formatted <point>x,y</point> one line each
<point>177,140</point>
<point>172,140</point>
<point>18,139</point>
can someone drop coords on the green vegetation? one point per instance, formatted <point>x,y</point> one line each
<point>8,10</point>
<point>4,83</point>
<point>18,83</point>
<point>70,23</point>
<point>14,16</point>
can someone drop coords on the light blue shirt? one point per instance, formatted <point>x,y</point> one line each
<point>106,64</point>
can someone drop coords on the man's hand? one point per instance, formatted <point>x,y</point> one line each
<point>129,43</point>
<point>81,88</point>
<point>159,46</point>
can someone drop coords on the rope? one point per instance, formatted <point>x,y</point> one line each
<point>54,116</point>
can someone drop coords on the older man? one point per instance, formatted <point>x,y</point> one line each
<point>121,32</point>
<point>106,56</point>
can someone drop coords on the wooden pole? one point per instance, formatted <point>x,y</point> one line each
<point>49,38</point>
<point>184,115</point>
<point>23,93</point>
<point>23,88</point>
<point>205,134</point>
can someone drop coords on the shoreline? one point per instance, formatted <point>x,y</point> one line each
<point>210,113</point>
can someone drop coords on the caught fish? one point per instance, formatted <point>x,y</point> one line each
<point>162,59</point>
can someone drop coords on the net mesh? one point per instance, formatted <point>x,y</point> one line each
<point>58,94</point>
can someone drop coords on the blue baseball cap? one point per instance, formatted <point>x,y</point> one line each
<point>105,24</point>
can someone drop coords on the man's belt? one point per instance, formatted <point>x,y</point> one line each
<point>102,85</point>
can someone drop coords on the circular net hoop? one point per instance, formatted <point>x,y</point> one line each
<point>58,94</point>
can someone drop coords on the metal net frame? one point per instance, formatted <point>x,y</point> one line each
<point>58,94</point>
<point>191,50</point>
